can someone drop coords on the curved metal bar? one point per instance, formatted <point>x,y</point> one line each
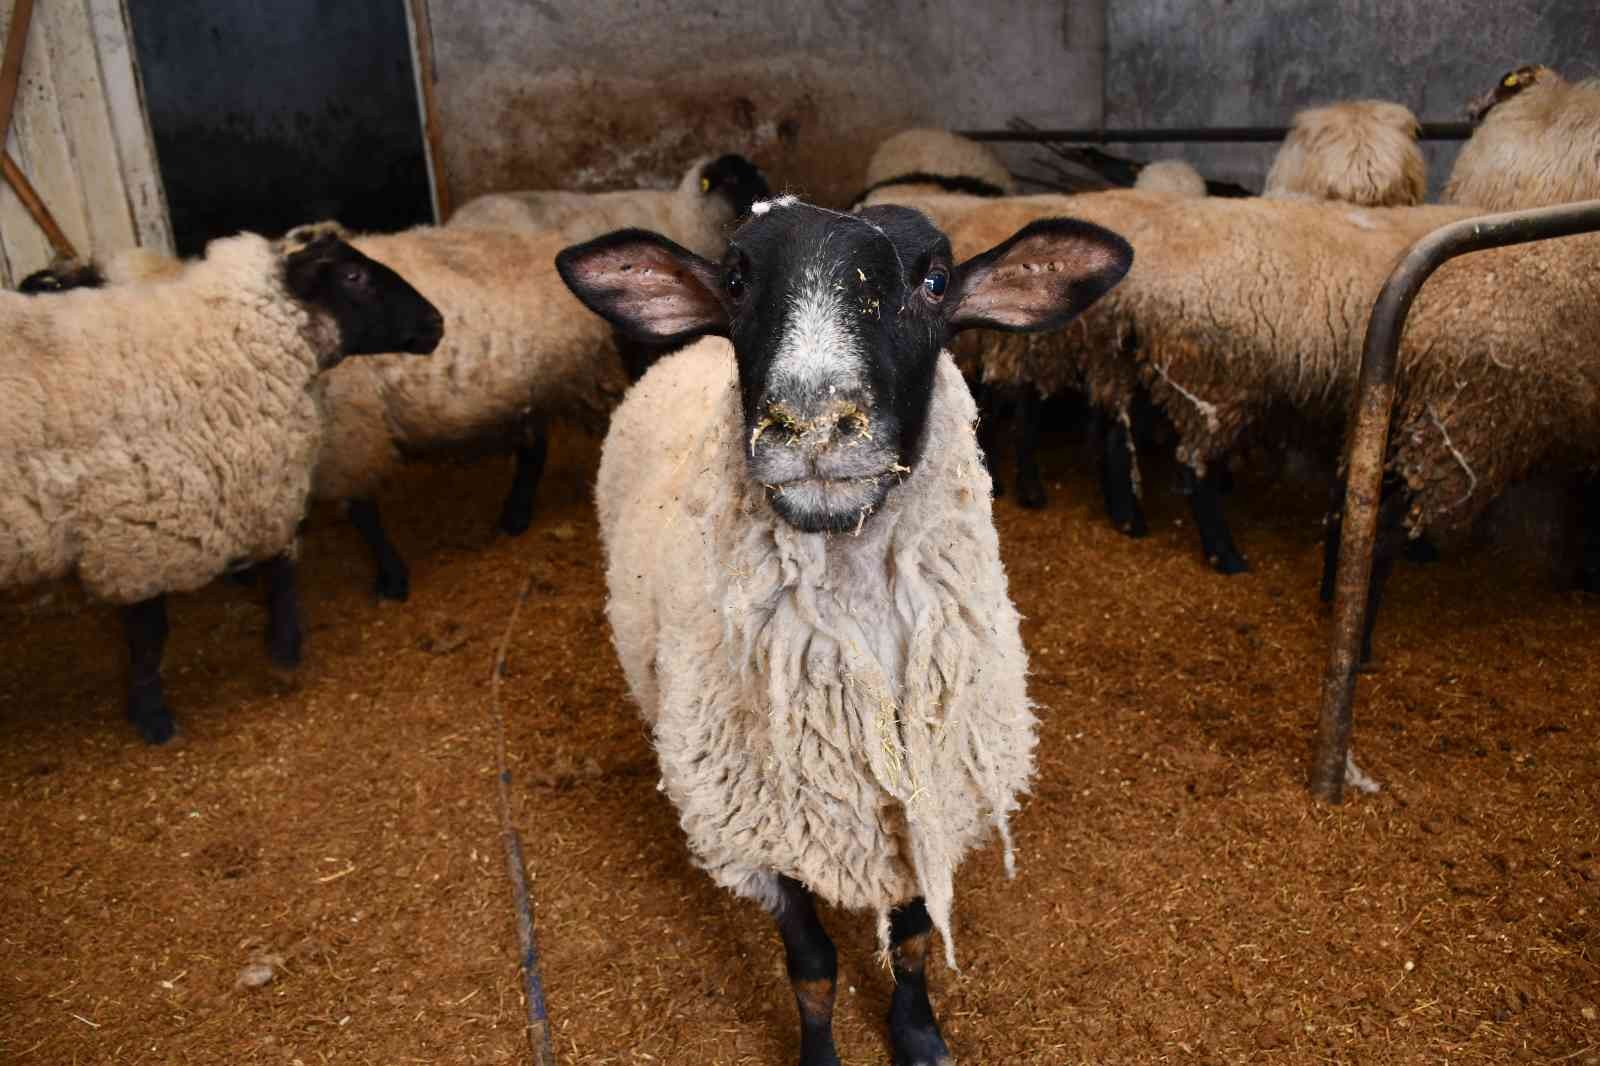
<point>1430,131</point>
<point>1368,444</point>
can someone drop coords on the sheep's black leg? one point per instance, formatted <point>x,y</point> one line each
<point>1388,547</point>
<point>394,579</point>
<point>913,1033</point>
<point>1117,474</point>
<point>145,624</point>
<point>517,514</point>
<point>1215,539</point>
<point>813,970</point>
<point>1030,413</point>
<point>1588,578</point>
<point>1332,530</point>
<point>1421,551</point>
<point>283,613</point>
<point>988,439</point>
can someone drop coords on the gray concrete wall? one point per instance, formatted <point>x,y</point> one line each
<point>538,94</point>
<point>1255,62</point>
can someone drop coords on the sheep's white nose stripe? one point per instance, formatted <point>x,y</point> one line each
<point>817,349</point>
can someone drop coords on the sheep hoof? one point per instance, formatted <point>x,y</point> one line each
<point>1131,526</point>
<point>514,520</point>
<point>394,585</point>
<point>1031,494</point>
<point>154,724</point>
<point>1421,551</point>
<point>1229,561</point>
<point>921,1047</point>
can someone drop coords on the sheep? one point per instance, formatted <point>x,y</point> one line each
<point>1535,145</point>
<point>1170,177</point>
<point>806,592</point>
<point>939,155</point>
<point>1033,367</point>
<point>518,352</point>
<point>1356,152</point>
<point>64,274</point>
<point>1334,163</point>
<point>712,195</point>
<point>939,173</point>
<point>120,268</point>
<point>154,436</point>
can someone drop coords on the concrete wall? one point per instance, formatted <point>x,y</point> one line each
<point>538,94</point>
<point>1255,62</point>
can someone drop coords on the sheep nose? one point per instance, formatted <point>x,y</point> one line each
<point>827,421</point>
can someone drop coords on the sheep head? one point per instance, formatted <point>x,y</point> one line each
<point>837,322</point>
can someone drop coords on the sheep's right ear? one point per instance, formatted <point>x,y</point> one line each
<point>1039,280</point>
<point>646,286</point>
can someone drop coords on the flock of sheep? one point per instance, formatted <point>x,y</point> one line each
<point>806,590</point>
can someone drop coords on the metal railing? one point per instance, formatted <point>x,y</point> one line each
<point>1430,131</point>
<point>1368,445</point>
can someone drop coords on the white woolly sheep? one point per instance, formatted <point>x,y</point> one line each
<point>153,437</point>
<point>1537,144</point>
<point>806,591</point>
<point>939,173</point>
<point>1356,151</point>
<point>517,352</point>
<point>711,197</point>
<point>1170,177</point>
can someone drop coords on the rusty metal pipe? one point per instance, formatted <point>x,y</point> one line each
<point>1430,131</point>
<point>1368,444</point>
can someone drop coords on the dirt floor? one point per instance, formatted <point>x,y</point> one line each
<point>1179,897</point>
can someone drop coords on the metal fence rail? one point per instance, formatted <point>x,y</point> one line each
<point>1369,442</point>
<point>1430,131</point>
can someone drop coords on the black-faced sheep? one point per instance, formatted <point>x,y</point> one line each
<point>1537,144</point>
<point>713,195</point>
<point>153,437</point>
<point>518,351</point>
<point>806,591</point>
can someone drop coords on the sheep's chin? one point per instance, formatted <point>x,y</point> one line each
<point>819,505</point>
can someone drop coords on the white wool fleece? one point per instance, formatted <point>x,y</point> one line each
<point>153,435</point>
<point>847,710</point>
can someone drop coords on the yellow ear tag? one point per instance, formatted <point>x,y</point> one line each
<point>705,184</point>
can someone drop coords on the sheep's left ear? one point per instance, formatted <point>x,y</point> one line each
<point>1040,279</point>
<point>648,287</point>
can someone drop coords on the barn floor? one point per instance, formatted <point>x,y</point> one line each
<point>1179,898</point>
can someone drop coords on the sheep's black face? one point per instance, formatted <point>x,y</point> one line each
<point>1509,85</point>
<point>735,179</point>
<point>837,322</point>
<point>377,310</point>
<point>61,278</point>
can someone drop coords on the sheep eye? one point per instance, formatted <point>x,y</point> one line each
<point>935,283</point>
<point>734,281</point>
<point>705,184</point>
<point>354,275</point>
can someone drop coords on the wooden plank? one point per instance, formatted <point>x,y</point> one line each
<point>25,245</point>
<point>39,141</point>
<point>80,98</point>
<point>38,211</point>
<point>21,18</point>
<point>419,26</point>
<point>130,125</point>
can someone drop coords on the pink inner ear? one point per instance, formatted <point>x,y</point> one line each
<point>1034,280</point>
<point>649,287</point>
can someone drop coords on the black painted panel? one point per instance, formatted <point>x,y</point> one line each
<point>266,115</point>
